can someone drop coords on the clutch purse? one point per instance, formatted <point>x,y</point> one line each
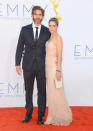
<point>58,84</point>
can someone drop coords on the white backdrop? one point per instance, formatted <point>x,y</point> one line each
<point>76,29</point>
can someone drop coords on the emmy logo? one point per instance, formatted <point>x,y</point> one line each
<point>55,6</point>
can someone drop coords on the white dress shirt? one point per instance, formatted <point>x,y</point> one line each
<point>34,29</point>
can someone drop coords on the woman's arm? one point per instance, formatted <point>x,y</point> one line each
<point>59,46</point>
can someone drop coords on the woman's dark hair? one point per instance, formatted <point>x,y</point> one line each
<point>38,8</point>
<point>55,20</point>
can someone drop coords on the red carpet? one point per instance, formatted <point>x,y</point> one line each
<point>10,120</point>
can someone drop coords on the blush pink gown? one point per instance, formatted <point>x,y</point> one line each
<point>59,112</point>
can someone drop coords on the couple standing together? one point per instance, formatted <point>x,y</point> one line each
<point>41,48</point>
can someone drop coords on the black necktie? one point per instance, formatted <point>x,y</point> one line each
<point>36,34</point>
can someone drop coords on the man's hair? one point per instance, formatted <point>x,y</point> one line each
<point>38,8</point>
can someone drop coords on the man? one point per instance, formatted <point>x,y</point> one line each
<point>32,41</point>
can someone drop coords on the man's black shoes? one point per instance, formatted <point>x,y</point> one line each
<point>40,121</point>
<point>26,119</point>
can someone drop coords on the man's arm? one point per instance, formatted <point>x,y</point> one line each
<point>19,51</point>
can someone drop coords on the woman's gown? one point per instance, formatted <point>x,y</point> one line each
<point>59,112</point>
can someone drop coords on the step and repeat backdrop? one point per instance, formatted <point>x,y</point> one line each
<point>76,29</point>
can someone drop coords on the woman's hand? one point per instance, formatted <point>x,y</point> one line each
<point>58,75</point>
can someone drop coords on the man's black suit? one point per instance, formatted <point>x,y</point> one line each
<point>33,65</point>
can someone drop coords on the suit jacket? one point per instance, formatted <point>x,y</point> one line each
<point>30,50</point>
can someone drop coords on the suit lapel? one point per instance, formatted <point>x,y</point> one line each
<point>41,33</point>
<point>31,33</point>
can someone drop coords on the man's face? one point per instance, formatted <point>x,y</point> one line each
<point>37,16</point>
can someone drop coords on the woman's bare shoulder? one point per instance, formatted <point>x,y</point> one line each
<point>59,38</point>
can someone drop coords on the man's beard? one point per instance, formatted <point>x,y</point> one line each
<point>39,20</point>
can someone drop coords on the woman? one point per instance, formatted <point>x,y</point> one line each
<point>59,112</point>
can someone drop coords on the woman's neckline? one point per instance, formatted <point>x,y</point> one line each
<point>49,41</point>
<point>52,43</point>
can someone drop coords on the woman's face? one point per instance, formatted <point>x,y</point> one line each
<point>52,27</point>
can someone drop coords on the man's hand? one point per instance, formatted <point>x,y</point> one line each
<point>18,70</point>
